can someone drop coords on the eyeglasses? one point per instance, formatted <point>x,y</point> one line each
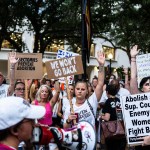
<point>20,89</point>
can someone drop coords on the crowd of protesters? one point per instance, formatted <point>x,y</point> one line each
<point>65,107</point>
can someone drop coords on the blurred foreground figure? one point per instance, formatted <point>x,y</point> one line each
<point>17,123</point>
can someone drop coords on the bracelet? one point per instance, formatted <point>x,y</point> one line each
<point>12,65</point>
<point>133,61</point>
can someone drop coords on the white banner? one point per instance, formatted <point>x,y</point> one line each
<point>65,54</point>
<point>143,66</point>
<point>136,113</point>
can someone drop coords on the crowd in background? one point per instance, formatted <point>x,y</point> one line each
<point>91,101</point>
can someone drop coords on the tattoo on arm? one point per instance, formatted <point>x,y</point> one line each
<point>101,68</point>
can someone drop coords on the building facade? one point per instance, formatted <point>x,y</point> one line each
<point>114,58</point>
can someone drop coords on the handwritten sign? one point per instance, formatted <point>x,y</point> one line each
<point>143,66</point>
<point>66,54</point>
<point>136,112</point>
<point>29,66</point>
<point>64,67</point>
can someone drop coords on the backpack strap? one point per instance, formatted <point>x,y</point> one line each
<point>91,108</point>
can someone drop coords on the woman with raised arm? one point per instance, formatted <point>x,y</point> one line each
<point>46,99</point>
<point>85,109</point>
<point>144,84</point>
<point>7,90</point>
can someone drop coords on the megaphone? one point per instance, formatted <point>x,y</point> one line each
<point>80,137</point>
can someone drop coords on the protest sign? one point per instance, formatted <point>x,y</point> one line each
<point>65,54</point>
<point>29,66</point>
<point>136,112</point>
<point>143,66</point>
<point>64,67</point>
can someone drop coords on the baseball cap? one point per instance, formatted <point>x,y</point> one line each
<point>14,109</point>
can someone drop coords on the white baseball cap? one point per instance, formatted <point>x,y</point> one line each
<point>15,109</point>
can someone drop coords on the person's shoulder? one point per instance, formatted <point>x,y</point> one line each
<point>108,101</point>
<point>4,85</point>
<point>117,99</point>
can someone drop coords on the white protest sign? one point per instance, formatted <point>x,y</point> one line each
<point>65,54</point>
<point>143,66</point>
<point>136,112</point>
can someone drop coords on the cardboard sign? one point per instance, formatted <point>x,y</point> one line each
<point>64,67</point>
<point>29,66</point>
<point>136,112</point>
<point>143,66</point>
<point>65,54</point>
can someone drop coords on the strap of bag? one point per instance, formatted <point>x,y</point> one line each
<point>91,108</point>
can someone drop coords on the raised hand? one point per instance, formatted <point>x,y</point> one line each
<point>12,58</point>
<point>134,51</point>
<point>125,70</point>
<point>101,58</point>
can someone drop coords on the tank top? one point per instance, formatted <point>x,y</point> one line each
<point>47,119</point>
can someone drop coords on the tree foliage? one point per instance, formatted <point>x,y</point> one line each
<point>124,23</point>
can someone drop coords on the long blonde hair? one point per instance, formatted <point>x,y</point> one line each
<point>39,92</point>
<point>32,93</point>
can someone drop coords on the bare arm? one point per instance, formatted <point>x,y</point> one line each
<point>59,109</point>
<point>133,82</point>
<point>13,61</point>
<point>99,87</point>
<point>56,95</point>
<point>127,85</point>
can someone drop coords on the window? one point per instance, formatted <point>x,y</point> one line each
<point>109,50</point>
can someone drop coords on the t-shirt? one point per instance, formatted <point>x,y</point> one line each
<point>3,90</point>
<point>121,92</point>
<point>5,147</point>
<point>84,111</point>
<point>110,107</point>
<point>66,103</point>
